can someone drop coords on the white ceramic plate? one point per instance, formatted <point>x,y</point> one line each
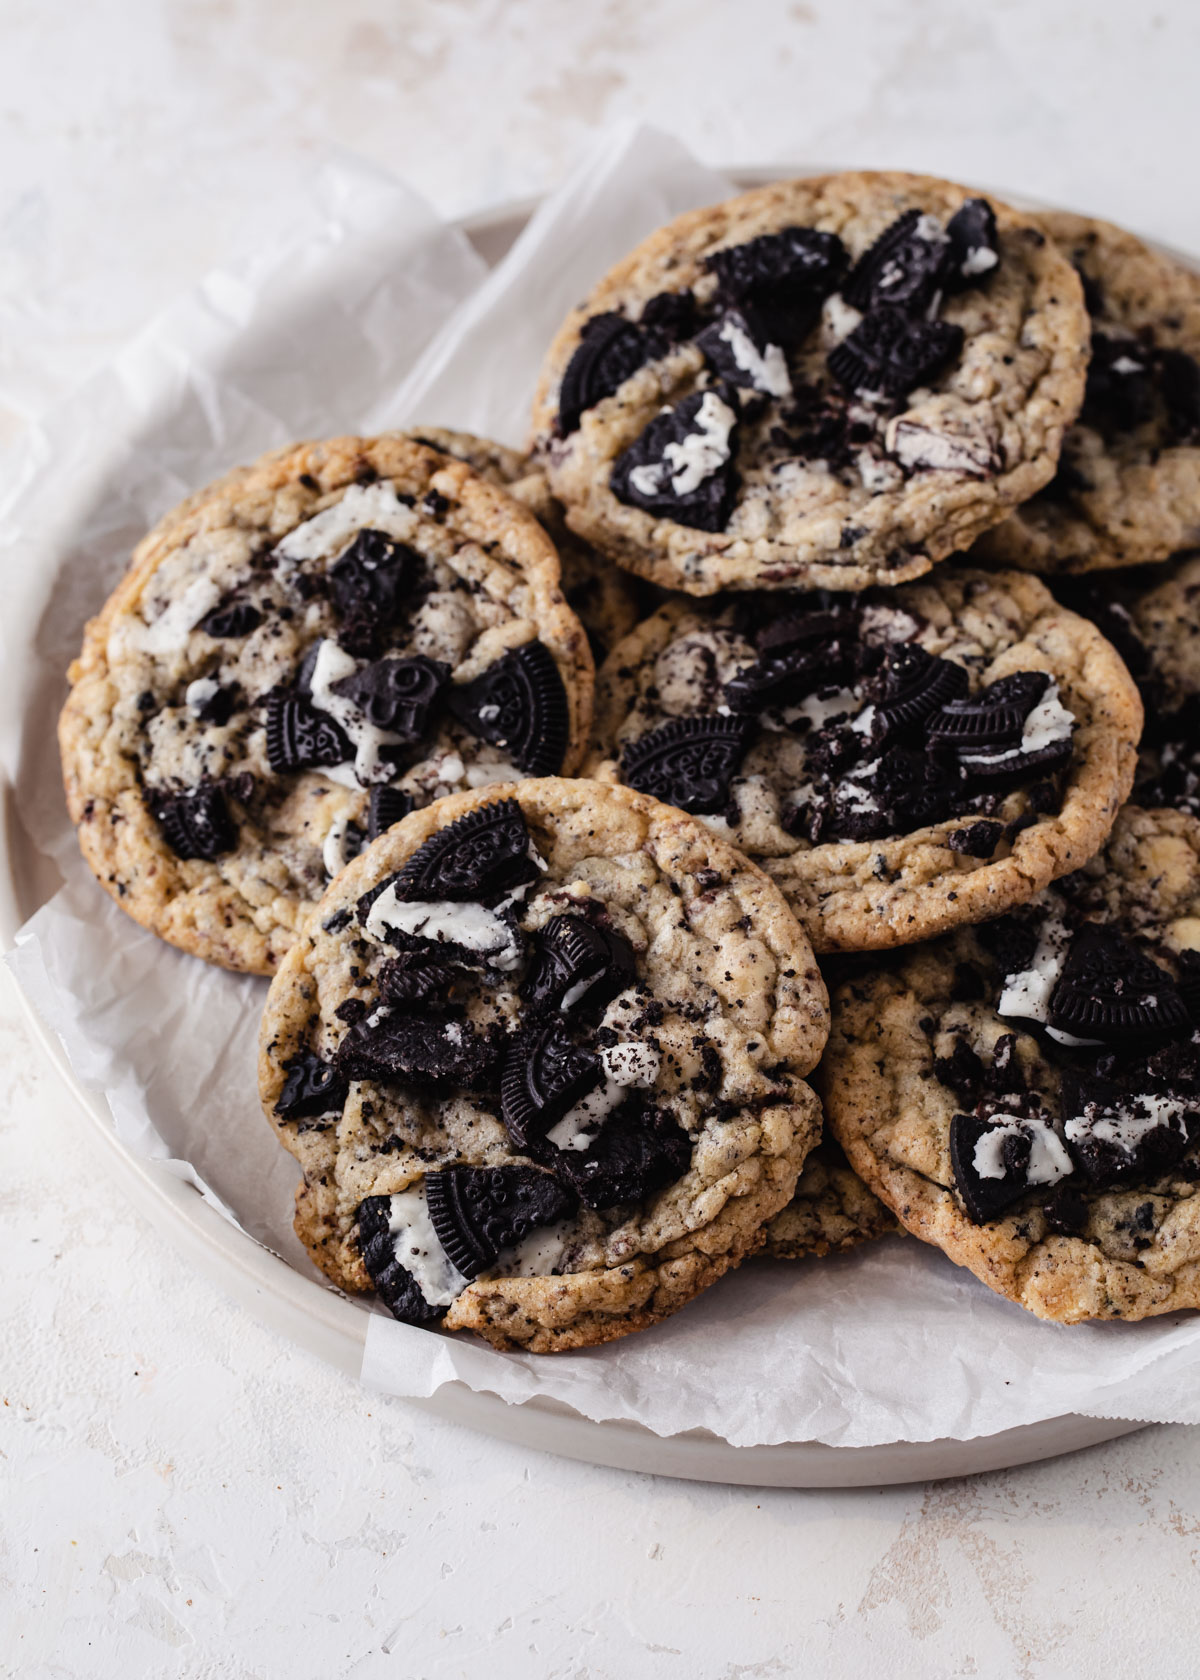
<point>334,1327</point>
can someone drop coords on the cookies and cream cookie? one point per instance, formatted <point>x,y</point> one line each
<point>601,595</point>
<point>1127,489</point>
<point>1026,1094</point>
<point>541,1059</point>
<point>296,657</point>
<point>898,762</point>
<point>831,1212</point>
<point>830,382</point>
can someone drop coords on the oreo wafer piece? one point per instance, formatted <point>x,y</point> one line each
<point>301,738</point>
<point>397,695</point>
<point>974,246</point>
<point>1093,1109</point>
<point>1109,991</point>
<point>688,762</point>
<point>915,684</point>
<point>656,474</point>
<point>417,977</point>
<point>796,656</point>
<point>784,276</point>
<point>888,354</point>
<point>577,966</point>
<point>520,705</point>
<point>995,717</point>
<point>905,266</point>
<point>395,1285</point>
<point>313,1087</point>
<point>637,1151</point>
<point>369,585</point>
<point>478,1211</point>
<point>610,350</point>
<point>480,856</point>
<point>544,1075</point>
<point>196,823</point>
<point>421,1049</point>
<point>231,619</point>
<point>387,807</point>
<point>985,1199</point>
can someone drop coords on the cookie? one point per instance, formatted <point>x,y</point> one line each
<point>574,1030</point>
<point>831,1212</point>
<point>1151,615</point>
<point>602,596</point>
<point>1127,489</point>
<point>897,761</point>
<point>297,657</point>
<point>1026,1095</point>
<point>825,383</point>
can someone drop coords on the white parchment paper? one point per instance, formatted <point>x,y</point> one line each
<point>374,315</point>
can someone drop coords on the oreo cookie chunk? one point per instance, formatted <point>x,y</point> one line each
<point>298,658</point>
<point>816,722</point>
<point>563,1140</point>
<point>1041,1121</point>
<point>1127,492</point>
<point>816,419</point>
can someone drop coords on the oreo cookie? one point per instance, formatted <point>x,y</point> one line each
<point>313,1087</point>
<point>610,350</point>
<point>784,276</point>
<point>974,246</point>
<point>544,1075</point>
<point>914,685</point>
<point>673,314</point>
<point>637,1151</point>
<point>576,966</point>
<point>397,695</point>
<point>231,619</point>
<point>369,586</point>
<point>520,705</point>
<point>480,856</point>
<point>395,1285</point>
<point>387,807</point>
<point>1097,1113</point>
<point>992,719</point>
<point>196,823</point>
<point>889,353</point>
<point>905,267</point>
<point>417,977</point>
<point>797,656</point>
<point>688,762</point>
<point>1109,991</point>
<point>1120,391</point>
<point>478,1211</point>
<point>301,738</point>
<point>682,465</point>
<point>389,1046</point>
<point>985,1196</point>
<point>738,348</point>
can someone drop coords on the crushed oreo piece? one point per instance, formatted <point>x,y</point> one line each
<point>682,465</point>
<point>914,685</point>
<point>610,350</point>
<point>784,276</point>
<point>1109,991</point>
<point>674,314</point>
<point>478,1211</point>
<point>231,619</point>
<point>977,840</point>
<point>1065,1211</point>
<point>479,856</point>
<point>737,347</point>
<point>1096,1112</point>
<point>426,1050</point>
<point>519,704</point>
<point>394,1283</point>
<point>797,656</point>
<point>688,762</point>
<point>577,966</point>
<point>1012,944</point>
<point>301,738</point>
<point>388,806</point>
<point>905,267</point>
<point>637,1151</point>
<point>369,585</point>
<point>974,252</point>
<point>313,1087</point>
<point>196,823</point>
<point>888,354</point>
<point>962,1072</point>
<point>544,1075</point>
<point>986,1196</point>
<point>397,695</point>
<point>1120,393</point>
<point>995,717</point>
<point>423,976</point>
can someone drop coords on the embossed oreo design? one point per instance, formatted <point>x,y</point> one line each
<point>682,466</point>
<point>611,349</point>
<point>301,738</point>
<point>577,966</point>
<point>520,705</point>
<point>889,354</point>
<point>397,694</point>
<point>1109,992</point>
<point>196,823</point>
<point>904,267</point>
<point>478,1211</point>
<point>481,855</point>
<point>545,1073</point>
<point>688,762</point>
<point>312,1088</point>
<point>916,684</point>
<point>387,807</point>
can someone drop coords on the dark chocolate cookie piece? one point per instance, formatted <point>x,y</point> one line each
<point>397,695</point>
<point>674,314</point>
<point>974,252</point>
<point>637,1150</point>
<point>389,1046</point>
<point>1110,992</point>
<point>394,1284</point>
<point>905,267</point>
<point>1120,392</point>
<point>797,655</point>
<point>520,705</point>
<point>423,977</point>
<point>299,737</point>
<point>993,718</point>
<point>313,1087</point>
<point>1097,1114</point>
<point>479,856</point>
<point>984,1196</point>
<point>478,1211</point>
<point>784,276</point>
<point>889,353</point>
<point>369,586</point>
<point>195,823</point>
<point>688,762</point>
<point>387,807</point>
<point>610,350</point>
<point>682,465</point>
<point>544,1074</point>
<point>230,619</point>
<point>738,348</point>
<point>914,685</point>
<point>576,966</point>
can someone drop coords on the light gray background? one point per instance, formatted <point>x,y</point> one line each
<point>180,1491</point>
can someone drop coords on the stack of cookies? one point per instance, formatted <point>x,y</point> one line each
<point>546,1032</point>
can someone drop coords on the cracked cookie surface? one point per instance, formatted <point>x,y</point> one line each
<point>775,719</point>
<point>1026,1096</point>
<point>860,373</point>
<point>296,656</point>
<point>1127,488</point>
<point>612,1010</point>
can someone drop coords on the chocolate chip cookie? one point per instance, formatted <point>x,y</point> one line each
<point>831,382</point>
<point>898,761</point>
<point>602,596</point>
<point>1127,489</point>
<point>542,1062</point>
<point>297,657</point>
<point>1026,1094</point>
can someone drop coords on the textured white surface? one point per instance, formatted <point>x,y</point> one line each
<point>182,1493</point>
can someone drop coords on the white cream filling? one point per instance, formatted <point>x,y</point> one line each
<point>169,632</point>
<point>765,370</point>
<point>538,1255</point>
<point>333,852</point>
<point>199,693</point>
<point>922,448</point>
<point>1026,994</point>
<point>416,1247</point>
<point>1123,1128</point>
<point>332,665</point>
<point>1048,1158</point>
<point>699,455</point>
<point>838,319</point>
<point>448,922</point>
<point>978,260</point>
<point>626,1066</point>
<point>364,507</point>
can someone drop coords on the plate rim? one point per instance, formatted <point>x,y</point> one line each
<point>330,1325</point>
